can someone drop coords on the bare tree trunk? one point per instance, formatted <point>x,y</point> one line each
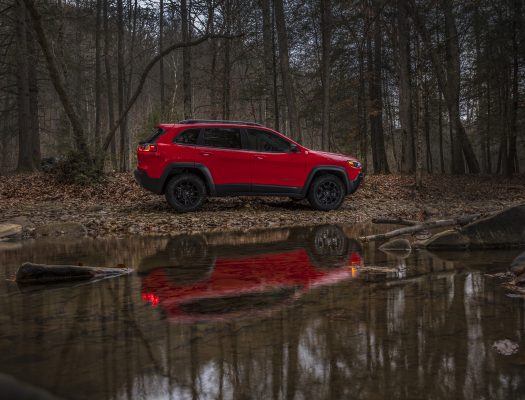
<point>362,110</point>
<point>98,74</point>
<point>405,94</point>
<point>512,158</point>
<point>426,125</point>
<point>326,33</point>
<point>25,159</point>
<point>213,85</point>
<point>109,84</point>
<point>453,86</point>
<point>488,132</point>
<point>161,62</point>
<point>284,58</point>
<point>376,100</point>
<point>274,69</point>
<point>33,95</point>
<point>57,79</point>
<point>226,78</point>
<point>440,129</point>
<point>186,62</point>
<point>268,61</point>
<point>419,124</point>
<point>121,83</point>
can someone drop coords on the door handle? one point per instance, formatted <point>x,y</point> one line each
<point>205,154</point>
<point>259,157</point>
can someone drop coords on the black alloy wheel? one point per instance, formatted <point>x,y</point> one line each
<point>326,193</point>
<point>185,192</point>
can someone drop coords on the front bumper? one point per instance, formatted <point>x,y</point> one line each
<point>353,185</point>
<point>152,184</point>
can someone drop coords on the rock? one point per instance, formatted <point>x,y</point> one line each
<point>446,240</point>
<point>504,229</point>
<point>520,280</point>
<point>13,389</point>
<point>70,229</point>
<point>8,231</point>
<point>517,267</point>
<point>21,220</point>
<point>396,244</point>
<point>41,273</point>
<point>505,347</point>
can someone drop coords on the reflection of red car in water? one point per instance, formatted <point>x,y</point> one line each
<point>234,281</point>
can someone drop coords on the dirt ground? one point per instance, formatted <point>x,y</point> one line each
<point>120,207</point>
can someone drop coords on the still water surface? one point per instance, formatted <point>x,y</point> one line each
<point>274,314</point>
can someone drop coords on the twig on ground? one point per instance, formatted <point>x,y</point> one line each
<point>422,226</point>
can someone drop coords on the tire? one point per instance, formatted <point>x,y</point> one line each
<point>326,193</point>
<point>328,247</point>
<point>185,192</point>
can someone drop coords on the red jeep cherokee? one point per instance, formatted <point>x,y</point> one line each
<point>194,159</point>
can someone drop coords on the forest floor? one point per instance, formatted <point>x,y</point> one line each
<point>119,206</point>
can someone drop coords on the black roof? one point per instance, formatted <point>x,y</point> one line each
<point>217,121</point>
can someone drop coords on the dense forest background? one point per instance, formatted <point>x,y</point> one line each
<point>407,86</point>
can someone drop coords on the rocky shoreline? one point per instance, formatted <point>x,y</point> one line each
<point>119,207</point>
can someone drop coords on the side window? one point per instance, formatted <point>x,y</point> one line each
<point>267,142</point>
<point>188,137</point>
<point>224,138</point>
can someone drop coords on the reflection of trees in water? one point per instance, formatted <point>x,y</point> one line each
<point>428,336</point>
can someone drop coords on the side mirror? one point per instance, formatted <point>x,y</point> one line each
<point>294,148</point>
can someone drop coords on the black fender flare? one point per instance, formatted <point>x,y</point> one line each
<point>335,170</point>
<point>177,167</point>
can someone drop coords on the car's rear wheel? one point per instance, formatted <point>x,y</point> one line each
<point>326,192</point>
<point>185,192</point>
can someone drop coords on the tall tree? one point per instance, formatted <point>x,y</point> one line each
<point>161,62</point>
<point>268,57</point>
<point>284,60</point>
<point>98,73</point>
<point>25,158</point>
<point>376,97</point>
<point>405,91</point>
<point>121,89</point>
<point>109,83</point>
<point>326,39</point>
<point>186,61</point>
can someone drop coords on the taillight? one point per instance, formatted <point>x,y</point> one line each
<point>152,148</point>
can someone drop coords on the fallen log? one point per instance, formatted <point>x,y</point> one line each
<point>422,226</point>
<point>41,273</point>
<point>395,221</point>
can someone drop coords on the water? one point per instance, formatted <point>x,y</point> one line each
<point>275,314</point>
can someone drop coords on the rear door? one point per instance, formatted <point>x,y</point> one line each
<point>220,150</point>
<point>274,167</point>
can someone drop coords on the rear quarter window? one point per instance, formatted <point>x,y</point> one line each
<point>188,137</point>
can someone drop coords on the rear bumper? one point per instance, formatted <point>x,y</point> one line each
<point>152,184</point>
<point>353,185</point>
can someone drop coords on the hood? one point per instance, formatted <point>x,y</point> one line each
<point>334,156</point>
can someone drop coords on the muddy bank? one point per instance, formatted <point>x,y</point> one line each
<point>120,207</point>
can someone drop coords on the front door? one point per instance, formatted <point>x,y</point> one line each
<point>220,150</point>
<point>274,167</point>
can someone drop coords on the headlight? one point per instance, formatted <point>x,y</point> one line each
<point>355,164</point>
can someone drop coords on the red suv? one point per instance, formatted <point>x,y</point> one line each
<point>194,159</point>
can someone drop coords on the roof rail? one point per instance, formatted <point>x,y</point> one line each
<point>216,121</point>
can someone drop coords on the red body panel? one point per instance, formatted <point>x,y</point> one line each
<point>226,166</point>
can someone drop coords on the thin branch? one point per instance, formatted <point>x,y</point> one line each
<point>144,76</point>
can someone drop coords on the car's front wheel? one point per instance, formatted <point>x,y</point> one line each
<point>326,192</point>
<point>185,192</point>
